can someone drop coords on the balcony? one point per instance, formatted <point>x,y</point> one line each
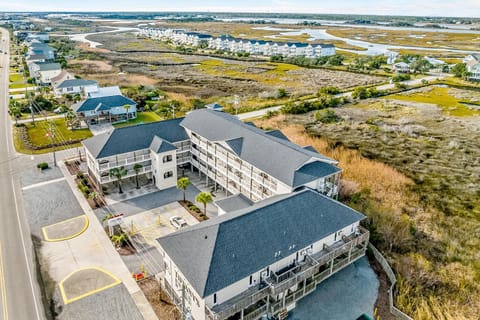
<point>123,162</point>
<point>130,173</point>
<point>296,274</point>
<point>311,265</point>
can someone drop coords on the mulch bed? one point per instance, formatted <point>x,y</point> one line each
<point>197,215</point>
<point>159,299</point>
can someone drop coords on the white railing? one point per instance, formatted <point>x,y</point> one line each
<point>124,162</point>
<point>130,173</point>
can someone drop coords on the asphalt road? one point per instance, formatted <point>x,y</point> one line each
<point>20,297</point>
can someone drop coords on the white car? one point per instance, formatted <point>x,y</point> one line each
<point>178,222</point>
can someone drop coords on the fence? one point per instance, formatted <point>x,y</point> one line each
<point>393,280</point>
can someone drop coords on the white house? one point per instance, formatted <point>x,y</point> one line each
<point>260,260</point>
<point>73,86</point>
<point>229,155</point>
<point>105,92</point>
<point>401,67</point>
<point>45,71</point>
<point>472,63</point>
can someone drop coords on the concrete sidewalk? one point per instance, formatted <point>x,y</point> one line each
<point>92,249</point>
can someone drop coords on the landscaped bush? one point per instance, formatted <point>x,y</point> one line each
<point>42,165</point>
<point>80,175</point>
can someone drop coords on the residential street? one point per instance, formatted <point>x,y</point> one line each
<point>20,293</point>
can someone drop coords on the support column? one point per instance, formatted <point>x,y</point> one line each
<point>331,265</point>
<point>241,314</point>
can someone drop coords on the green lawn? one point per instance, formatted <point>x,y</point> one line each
<point>19,85</point>
<point>440,97</point>
<point>16,77</point>
<point>142,117</point>
<point>38,135</point>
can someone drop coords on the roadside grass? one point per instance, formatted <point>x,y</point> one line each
<point>19,86</point>
<point>142,117</point>
<point>16,77</point>
<point>38,136</point>
<point>438,266</point>
<point>441,97</point>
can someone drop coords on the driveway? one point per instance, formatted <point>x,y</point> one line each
<point>344,296</point>
<point>100,128</point>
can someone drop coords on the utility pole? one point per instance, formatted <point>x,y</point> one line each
<point>31,112</point>
<point>236,102</point>
<point>52,139</point>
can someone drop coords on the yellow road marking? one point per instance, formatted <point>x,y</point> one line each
<point>3,287</point>
<point>64,295</point>
<point>85,226</point>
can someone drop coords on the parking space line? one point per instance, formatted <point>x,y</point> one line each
<point>85,226</point>
<point>91,292</point>
<point>3,289</point>
<point>43,183</point>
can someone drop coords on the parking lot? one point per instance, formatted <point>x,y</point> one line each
<point>145,227</point>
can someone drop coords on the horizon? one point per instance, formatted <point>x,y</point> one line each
<point>428,8</point>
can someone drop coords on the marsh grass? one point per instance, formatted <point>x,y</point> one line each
<point>438,268</point>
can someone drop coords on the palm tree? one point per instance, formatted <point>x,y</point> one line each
<point>118,173</point>
<point>94,196</point>
<point>182,184</point>
<point>126,107</point>
<point>204,198</point>
<point>137,167</point>
<point>70,117</point>
<point>16,113</point>
<point>119,239</point>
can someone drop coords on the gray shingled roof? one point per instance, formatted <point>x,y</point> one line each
<point>159,145</point>
<point>76,83</point>
<point>128,139</point>
<point>47,66</point>
<point>214,254</point>
<point>104,103</point>
<point>275,156</point>
<point>312,171</point>
<point>278,134</point>
<point>233,203</point>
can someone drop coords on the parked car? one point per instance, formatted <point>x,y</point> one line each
<point>178,222</point>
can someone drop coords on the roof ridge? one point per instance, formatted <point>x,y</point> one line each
<point>286,143</point>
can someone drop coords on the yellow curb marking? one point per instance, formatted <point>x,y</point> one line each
<point>64,295</point>
<point>3,287</point>
<point>85,226</point>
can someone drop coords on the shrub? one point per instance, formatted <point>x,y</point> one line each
<point>80,175</point>
<point>42,165</point>
<point>327,116</point>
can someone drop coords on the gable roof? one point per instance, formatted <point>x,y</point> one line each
<point>278,134</point>
<point>217,253</point>
<point>276,156</point>
<point>104,103</point>
<point>128,139</point>
<point>159,145</point>
<point>313,171</point>
<point>76,83</point>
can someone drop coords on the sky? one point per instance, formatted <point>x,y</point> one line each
<point>463,8</point>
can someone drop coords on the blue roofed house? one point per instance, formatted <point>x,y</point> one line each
<point>104,109</point>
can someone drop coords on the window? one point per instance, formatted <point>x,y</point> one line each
<point>167,158</point>
<point>168,174</point>
<point>251,279</point>
<point>214,298</point>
